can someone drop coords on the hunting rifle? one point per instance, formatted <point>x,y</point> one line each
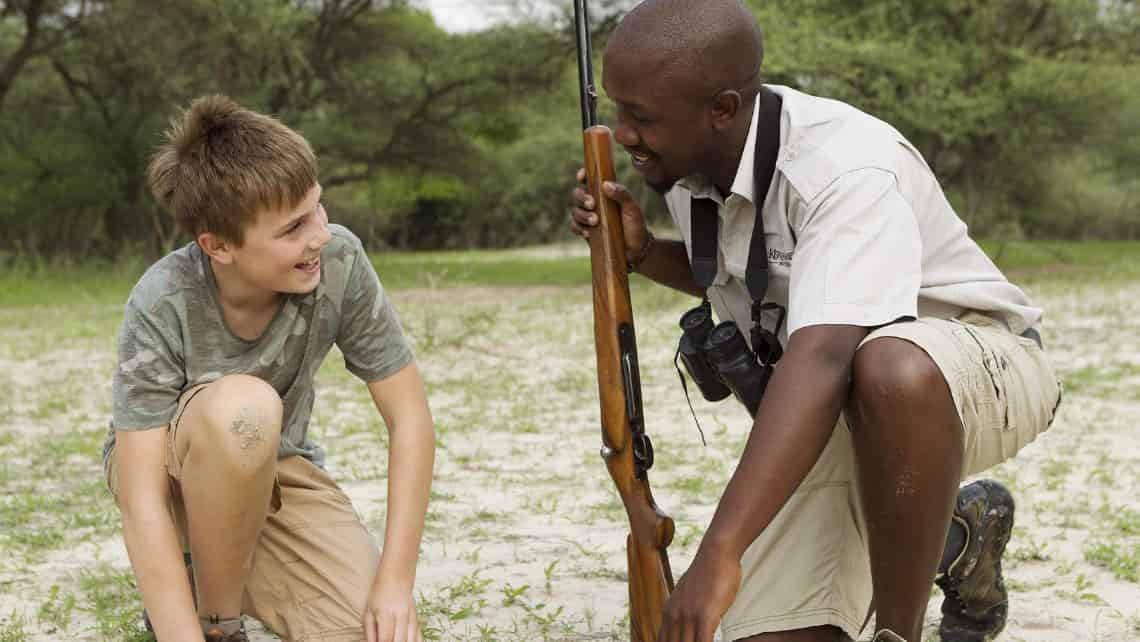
<point>626,448</point>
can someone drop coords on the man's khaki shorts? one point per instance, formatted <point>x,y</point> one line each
<point>811,566</point>
<point>314,563</point>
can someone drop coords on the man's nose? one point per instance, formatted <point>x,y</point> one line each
<point>626,135</point>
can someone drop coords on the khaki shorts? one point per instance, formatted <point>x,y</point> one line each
<point>811,566</point>
<point>315,562</point>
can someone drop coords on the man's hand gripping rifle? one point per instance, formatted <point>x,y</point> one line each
<point>626,448</point>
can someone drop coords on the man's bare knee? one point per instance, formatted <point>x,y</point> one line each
<point>891,374</point>
<point>241,420</point>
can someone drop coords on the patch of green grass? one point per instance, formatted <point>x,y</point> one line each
<point>1032,261</point>
<point>68,282</point>
<point>12,628</point>
<point>491,268</point>
<point>439,612</point>
<point>1104,380</point>
<point>1055,471</point>
<point>110,595</point>
<point>1118,555</point>
<point>55,613</point>
<point>103,282</point>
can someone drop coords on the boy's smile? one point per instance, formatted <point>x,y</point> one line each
<point>280,254</point>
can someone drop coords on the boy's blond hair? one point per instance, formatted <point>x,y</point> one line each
<point>223,164</point>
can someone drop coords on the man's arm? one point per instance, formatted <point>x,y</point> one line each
<point>402,401</point>
<point>666,262</point>
<point>792,426</point>
<point>143,492</point>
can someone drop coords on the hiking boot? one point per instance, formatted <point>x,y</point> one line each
<point>976,602</point>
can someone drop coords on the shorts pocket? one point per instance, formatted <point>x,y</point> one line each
<point>994,372</point>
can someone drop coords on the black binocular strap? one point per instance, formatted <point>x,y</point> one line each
<point>703,218</point>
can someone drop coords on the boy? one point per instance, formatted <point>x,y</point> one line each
<point>909,361</point>
<point>213,393</point>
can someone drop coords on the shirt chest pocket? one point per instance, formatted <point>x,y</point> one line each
<point>779,270</point>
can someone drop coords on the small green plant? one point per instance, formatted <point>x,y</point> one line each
<point>548,572</point>
<point>1119,557</point>
<point>12,628</point>
<point>56,611</point>
<point>512,595</point>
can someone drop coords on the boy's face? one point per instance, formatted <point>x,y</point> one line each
<point>282,248</point>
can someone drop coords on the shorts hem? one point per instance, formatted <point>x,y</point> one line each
<point>791,622</point>
<point>342,634</point>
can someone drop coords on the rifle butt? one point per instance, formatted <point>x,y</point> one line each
<point>651,581</point>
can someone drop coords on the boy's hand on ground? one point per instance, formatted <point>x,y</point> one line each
<point>583,217</point>
<point>701,597</point>
<point>390,615</point>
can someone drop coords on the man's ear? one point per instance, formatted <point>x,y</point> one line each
<point>725,106</point>
<point>216,247</point>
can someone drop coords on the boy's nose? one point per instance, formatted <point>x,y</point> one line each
<point>319,239</point>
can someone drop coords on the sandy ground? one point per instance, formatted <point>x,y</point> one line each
<point>525,537</point>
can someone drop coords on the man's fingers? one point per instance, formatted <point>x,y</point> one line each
<point>706,627</point>
<point>581,175</point>
<point>583,199</point>
<point>585,217</point>
<point>618,192</point>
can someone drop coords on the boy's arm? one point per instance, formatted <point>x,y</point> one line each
<point>143,493</point>
<point>402,401</point>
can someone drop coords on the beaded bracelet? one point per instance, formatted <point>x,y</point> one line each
<point>634,261</point>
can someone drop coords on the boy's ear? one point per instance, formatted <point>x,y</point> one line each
<point>216,248</point>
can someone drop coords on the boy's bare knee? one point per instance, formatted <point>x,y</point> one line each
<point>242,419</point>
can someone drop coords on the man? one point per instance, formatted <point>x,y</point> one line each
<point>909,361</point>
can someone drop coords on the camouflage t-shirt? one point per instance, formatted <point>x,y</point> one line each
<point>174,337</point>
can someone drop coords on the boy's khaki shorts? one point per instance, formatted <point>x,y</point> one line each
<point>314,563</point>
<point>811,567</point>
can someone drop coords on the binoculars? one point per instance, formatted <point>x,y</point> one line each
<point>720,362</point>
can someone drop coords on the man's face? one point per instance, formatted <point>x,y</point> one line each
<point>282,248</point>
<point>659,122</point>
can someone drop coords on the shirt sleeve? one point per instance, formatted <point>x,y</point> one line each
<point>149,376</point>
<point>370,335</point>
<point>858,256</point>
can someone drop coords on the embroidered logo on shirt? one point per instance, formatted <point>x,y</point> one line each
<point>780,257</point>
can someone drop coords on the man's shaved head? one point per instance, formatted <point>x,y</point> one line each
<point>707,45</point>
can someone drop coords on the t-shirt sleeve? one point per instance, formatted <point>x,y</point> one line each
<point>149,376</point>
<point>858,256</point>
<point>370,335</point>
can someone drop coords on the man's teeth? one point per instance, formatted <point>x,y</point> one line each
<point>641,158</point>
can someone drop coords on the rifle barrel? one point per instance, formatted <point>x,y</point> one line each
<point>587,92</point>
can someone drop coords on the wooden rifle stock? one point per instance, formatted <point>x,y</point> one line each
<point>625,446</point>
<point>626,449</point>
